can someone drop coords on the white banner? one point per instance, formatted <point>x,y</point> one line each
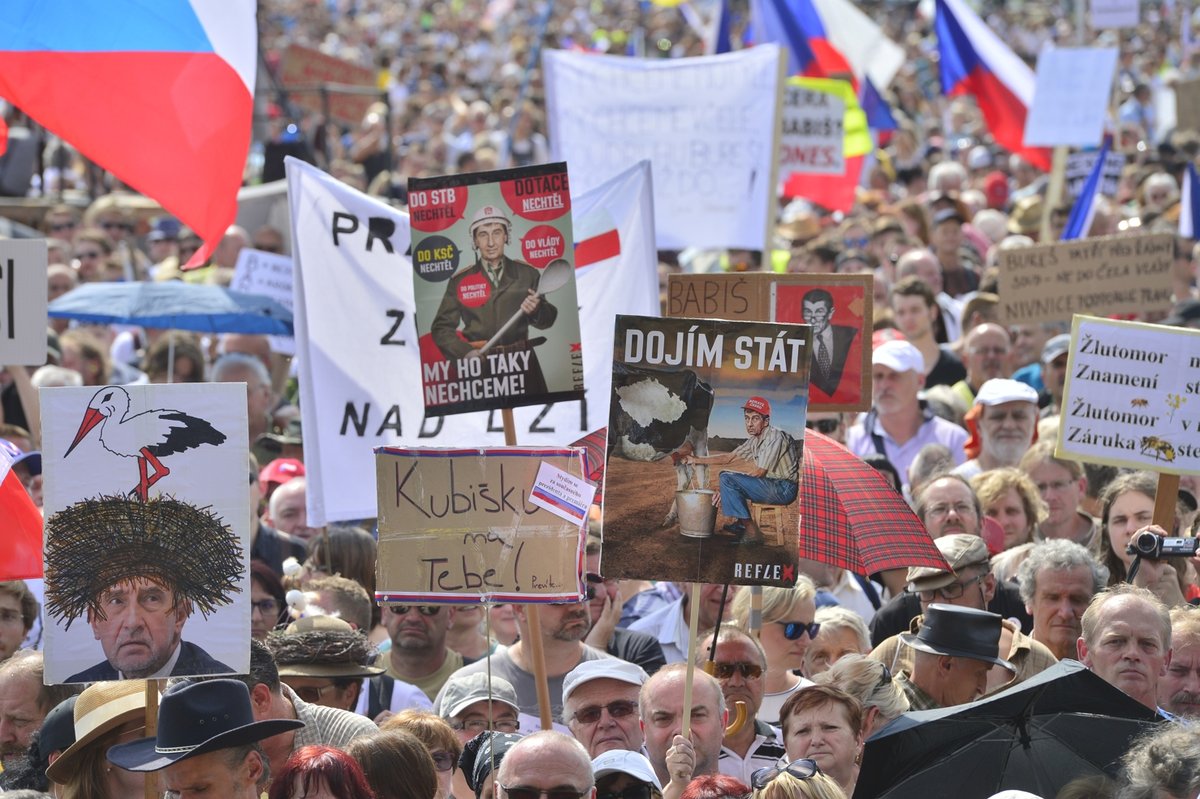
<point>269,275</point>
<point>708,125</point>
<point>359,364</point>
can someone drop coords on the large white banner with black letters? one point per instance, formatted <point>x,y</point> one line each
<point>708,125</point>
<point>359,360</point>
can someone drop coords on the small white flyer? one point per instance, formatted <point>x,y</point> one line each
<point>562,493</point>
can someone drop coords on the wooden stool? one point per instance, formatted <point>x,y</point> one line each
<point>769,517</point>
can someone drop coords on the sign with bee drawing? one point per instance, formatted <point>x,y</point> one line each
<point>1132,396</point>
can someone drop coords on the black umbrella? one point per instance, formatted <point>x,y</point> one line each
<point>1037,736</point>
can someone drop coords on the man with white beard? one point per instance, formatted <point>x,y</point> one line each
<point>1002,424</point>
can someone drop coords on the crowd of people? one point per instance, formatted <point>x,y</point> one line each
<point>348,699</point>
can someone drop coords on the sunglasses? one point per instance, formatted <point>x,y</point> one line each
<point>312,693</point>
<point>618,710</point>
<point>520,792</point>
<point>117,226</point>
<point>749,671</point>
<point>62,226</point>
<point>442,760</point>
<point>643,790</point>
<point>424,610</point>
<point>823,426</point>
<point>800,769</point>
<point>793,630</point>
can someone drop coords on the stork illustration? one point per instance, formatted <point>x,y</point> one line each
<point>147,436</point>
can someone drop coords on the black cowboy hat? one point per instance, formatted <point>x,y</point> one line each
<point>197,718</point>
<point>959,632</point>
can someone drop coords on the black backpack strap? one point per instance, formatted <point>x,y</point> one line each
<point>379,694</point>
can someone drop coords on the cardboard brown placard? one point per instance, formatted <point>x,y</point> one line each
<point>304,67</point>
<point>1101,276</point>
<point>770,297</point>
<point>1187,104</point>
<point>457,525</point>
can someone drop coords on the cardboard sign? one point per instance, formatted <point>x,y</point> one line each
<point>1187,104</point>
<point>1110,275</point>
<point>1114,13</point>
<point>698,408</point>
<point>813,132</point>
<point>270,275</point>
<point>486,246</point>
<point>708,125</point>
<point>23,302</point>
<point>1071,99</point>
<point>304,67</point>
<point>147,524</point>
<point>459,525</point>
<point>1132,396</point>
<point>357,347</point>
<point>1079,168</point>
<point>767,297</point>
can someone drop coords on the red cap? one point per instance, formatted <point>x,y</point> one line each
<point>758,405</point>
<point>281,470</point>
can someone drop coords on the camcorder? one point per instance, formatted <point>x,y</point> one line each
<point>1155,546</point>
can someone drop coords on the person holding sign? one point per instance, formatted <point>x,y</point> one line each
<point>772,477</point>
<point>487,294</point>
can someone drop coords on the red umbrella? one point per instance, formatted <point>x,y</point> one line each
<point>850,516</point>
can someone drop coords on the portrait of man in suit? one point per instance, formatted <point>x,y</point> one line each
<point>831,343</point>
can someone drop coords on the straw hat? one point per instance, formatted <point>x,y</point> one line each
<point>101,708</point>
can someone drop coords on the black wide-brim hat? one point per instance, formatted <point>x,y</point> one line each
<point>197,718</point>
<point>959,632</point>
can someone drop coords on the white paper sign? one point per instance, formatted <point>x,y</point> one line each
<point>1079,167</point>
<point>23,302</point>
<point>360,379</point>
<point>1114,14</point>
<point>812,140</point>
<point>159,458</point>
<point>1071,97</point>
<point>706,124</point>
<point>269,275</point>
<point>562,493</point>
<point>1132,396</point>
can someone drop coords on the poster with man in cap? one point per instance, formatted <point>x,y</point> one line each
<point>494,285</point>
<point>705,438</point>
<point>147,531</point>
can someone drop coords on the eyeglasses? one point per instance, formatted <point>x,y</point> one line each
<point>267,607</point>
<point>952,591</point>
<point>1054,485</point>
<point>642,790</point>
<point>424,610</point>
<point>792,630</point>
<point>942,510</point>
<point>620,709</point>
<point>313,693</point>
<point>521,792</point>
<point>59,226</point>
<point>823,426</point>
<point>749,671</point>
<point>476,725</point>
<point>800,769</point>
<point>442,760</point>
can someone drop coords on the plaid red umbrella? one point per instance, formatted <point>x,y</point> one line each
<point>850,516</point>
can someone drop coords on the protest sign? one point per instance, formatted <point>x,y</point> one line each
<point>705,414</point>
<point>1132,396</point>
<point>357,348</point>
<point>838,306</point>
<point>1108,275</point>
<point>1071,97</point>
<point>1114,13</point>
<point>491,251</point>
<point>458,525</point>
<point>707,125</point>
<point>813,131</point>
<point>23,302</point>
<point>171,556</point>
<point>269,275</point>
<point>306,68</point>
<point>1079,168</point>
<point>1187,104</point>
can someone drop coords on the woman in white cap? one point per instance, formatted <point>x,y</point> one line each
<point>106,714</point>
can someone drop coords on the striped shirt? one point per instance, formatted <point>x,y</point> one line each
<point>765,752</point>
<point>327,726</point>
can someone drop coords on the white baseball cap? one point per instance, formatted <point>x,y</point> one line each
<point>1000,390</point>
<point>602,669</point>
<point>623,761</point>
<point>899,356</point>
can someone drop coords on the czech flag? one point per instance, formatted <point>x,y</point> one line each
<point>158,92</point>
<point>1189,204</point>
<point>797,25</point>
<point>975,61</point>
<point>20,524</point>
<point>1084,209</point>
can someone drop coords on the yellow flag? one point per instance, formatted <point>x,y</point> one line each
<point>854,123</point>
